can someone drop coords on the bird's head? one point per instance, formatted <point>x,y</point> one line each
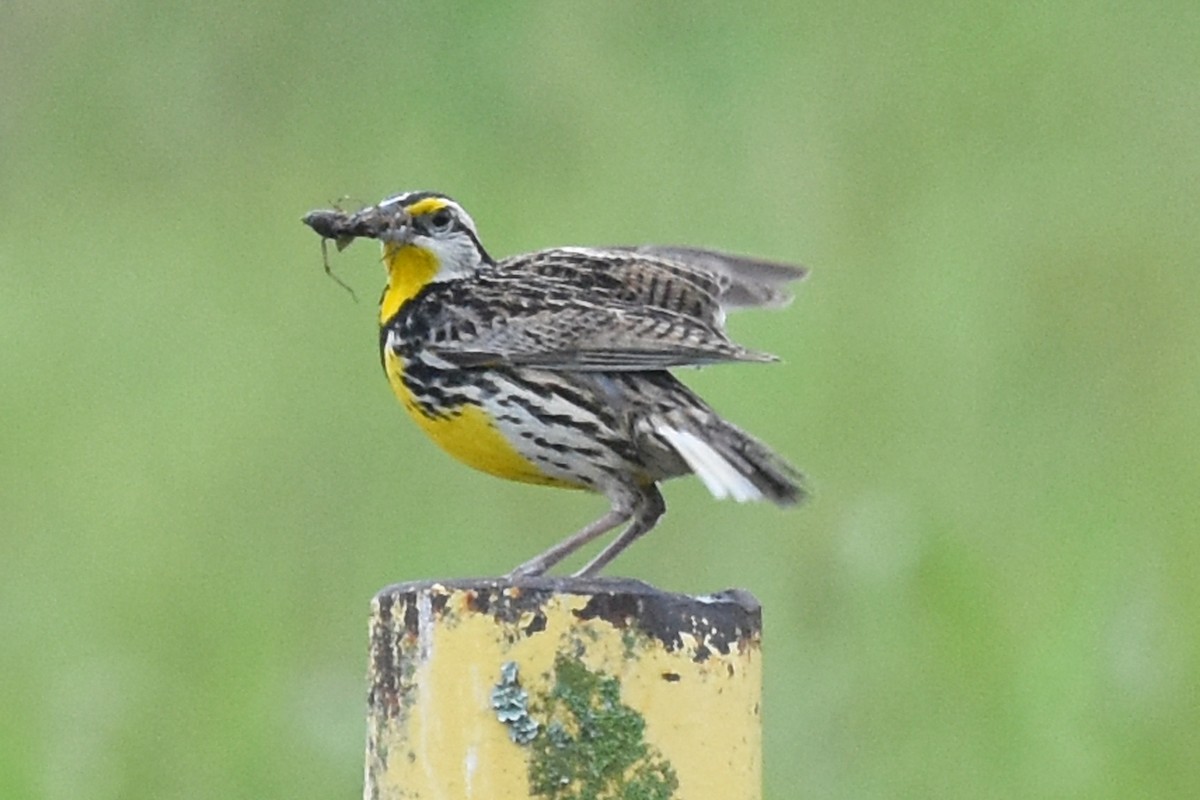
<point>437,228</point>
<point>426,237</point>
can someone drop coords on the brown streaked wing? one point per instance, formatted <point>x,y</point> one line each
<point>503,319</point>
<point>751,282</point>
<point>633,278</point>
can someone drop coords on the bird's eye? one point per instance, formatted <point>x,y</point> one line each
<point>441,220</point>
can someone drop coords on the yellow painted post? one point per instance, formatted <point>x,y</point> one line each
<point>563,688</point>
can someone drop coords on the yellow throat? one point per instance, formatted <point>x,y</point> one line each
<point>467,431</point>
<point>409,269</point>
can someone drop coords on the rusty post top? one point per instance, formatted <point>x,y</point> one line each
<point>726,617</point>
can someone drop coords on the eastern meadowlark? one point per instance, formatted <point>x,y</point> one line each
<point>552,367</point>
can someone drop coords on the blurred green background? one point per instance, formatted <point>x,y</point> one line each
<point>991,377</point>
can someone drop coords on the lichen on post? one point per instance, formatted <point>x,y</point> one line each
<point>563,689</point>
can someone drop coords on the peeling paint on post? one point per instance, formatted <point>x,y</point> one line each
<point>563,689</point>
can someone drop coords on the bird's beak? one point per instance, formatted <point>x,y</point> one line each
<point>383,222</point>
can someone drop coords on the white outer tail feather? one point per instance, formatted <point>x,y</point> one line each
<point>721,478</point>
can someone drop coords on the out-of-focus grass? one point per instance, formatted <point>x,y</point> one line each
<point>991,377</point>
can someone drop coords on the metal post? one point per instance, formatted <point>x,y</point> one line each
<point>563,688</point>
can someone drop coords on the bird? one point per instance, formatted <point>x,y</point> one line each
<point>554,367</point>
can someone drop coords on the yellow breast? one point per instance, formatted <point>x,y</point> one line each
<point>469,434</point>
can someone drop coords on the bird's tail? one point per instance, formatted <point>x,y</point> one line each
<point>729,461</point>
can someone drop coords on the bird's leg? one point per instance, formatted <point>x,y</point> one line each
<point>623,506</point>
<point>650,508</point>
